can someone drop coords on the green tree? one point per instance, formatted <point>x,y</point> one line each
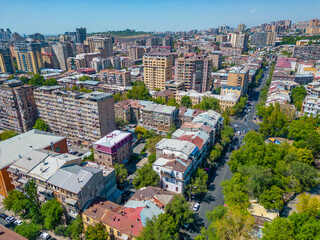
<point>140,132</point>
<point>180,210</point>
<point>50,82</point>
<point>121,123</point>
<point>227,133</point>
<point>7,134</point>
<point>151,143</point>
<point>198,184</point>
<point>118,97</point>
<point>215,153</point>
<point>172,102</point>
<point>186,102</point>
<point>33,203</point>
<point>139,91</point>
<point>146,176</point>
<point>272,199</point>
<point>121,173</point>
<point>308,204</point>
<point>28,230</point>
<point>52,212</point>
<point>84,78</point>
<point>41,125</point>
<point>297,96</point>
<point>152,158</point>
<point>36,80</point>
<point>302,154</point>
<point>306,174</point>
<point>15,201</point>
<point>75,228</point>
<point>208,103</point>
<point>24,79</point>
<point>96,232</point>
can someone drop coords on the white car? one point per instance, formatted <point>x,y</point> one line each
<point>239,133</point>
<point>69,144</point>
<point>18,222</point>
<point>45,235</point>
<point>196,207</point>
<point>236,125</point>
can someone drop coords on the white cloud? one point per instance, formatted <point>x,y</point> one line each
<point>253,10</point>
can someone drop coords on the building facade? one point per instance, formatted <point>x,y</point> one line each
<point>29,57</point>
<point>115,77</point>
<point>80,117</point>
<point>157,69</point>
<point>6,61</point>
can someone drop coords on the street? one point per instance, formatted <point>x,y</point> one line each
<point>214,197</point>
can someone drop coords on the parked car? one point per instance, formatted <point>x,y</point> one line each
<point>196,207</point>
<point>69,143</point>
<point>17,222</point>
<point>70,151</point>
<point>4,216</point>
<point>239,133</point>
<point>45,235</point>
<point>244,131</point>
<point>236,125</point>
<point>80,154</point>
<point>10,219</point>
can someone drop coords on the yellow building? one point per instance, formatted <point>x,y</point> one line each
<point>29,57</point>
<point>313,31</point>
<point>6,61</point>
<point>302,42</point>
<point>157,69</point>
<point>239,78</point>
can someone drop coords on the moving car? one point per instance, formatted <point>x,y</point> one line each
<point>196,207</point>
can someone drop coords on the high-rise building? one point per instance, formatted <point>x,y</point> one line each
<point>6,61</point>
<point>314,23</point>
<point>216,58</point>
<point>287,23</point>
<point>239,78</point>
<point>167,41</point>
<point>135,53</point>
<point>115,77</point>
<point>240,40</point>
<point>80,117</point>
<point>157,69</point>
<point>29,57</point>
<point>241,27</point>
<point>104,45</point>
<point>18,110</point>
<point>262,39</point>
<point>63,51</point>
<point>81,34</point>
<point>194,72</point>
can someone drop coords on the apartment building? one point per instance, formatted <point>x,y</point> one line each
<point>29,58</point>
<point>194,72</point>
<point>115,77</point>
<point>308,52</point>
<point>14,148</point>
<point>80,34</point>
<point>240,40</point>
<point>158,117</point>
<point>102,44</point>
<point>262,39</point>
<point>113,148</point>
<point>216,58</point>
<point>130,110</point>
<point>239,77</point>
<point>157,69</point>
<point>311,106</point>
<point>18,109</point>
<point>174,86</point>
<point>135,53</point>
<point>82,118</point>
<point>6,61</point>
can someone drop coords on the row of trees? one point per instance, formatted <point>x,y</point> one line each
<point>38,80</point>
<point>46,215</point>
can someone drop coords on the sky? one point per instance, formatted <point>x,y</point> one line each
<point>59,16</point>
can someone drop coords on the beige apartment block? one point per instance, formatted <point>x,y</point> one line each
<point>157,69</point>
<point>82,118</point>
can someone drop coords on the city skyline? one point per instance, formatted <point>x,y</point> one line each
<point>155,16</point>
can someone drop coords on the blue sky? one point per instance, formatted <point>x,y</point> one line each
<point>58,16</point>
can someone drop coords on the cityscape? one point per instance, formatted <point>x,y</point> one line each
<point>161,135</point>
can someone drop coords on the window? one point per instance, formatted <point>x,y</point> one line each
<point>177,189</point>
<point>166,185</point>
<point>88,219</point>
<point>119,234</point>
<point>111,231</point>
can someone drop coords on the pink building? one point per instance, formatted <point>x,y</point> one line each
<point>113,148</point>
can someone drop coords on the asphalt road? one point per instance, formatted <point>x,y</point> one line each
<point>214,197</point>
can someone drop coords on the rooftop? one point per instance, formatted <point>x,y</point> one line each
<point>113,138</point>
<point>14,148</point>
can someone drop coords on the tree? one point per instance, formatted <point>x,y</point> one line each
<point>279,228</point>
<point>52,213</point>
<point>302,154</point>
<point>7,134</point>
<point>186,102</point>
<point>306,175</point>
<point>41,125</point>
<point>152,158</point>
<point>36,80</point>
<point>121,123</point>
<point>198,183</point>
<point>118,97</point>
<point>146,176</point>
<point>179,209</point>
<point>95,232</point>
<point>215,153</point>
<point>84,78</point>
<point>28,230</point>
<point>151,143</point>
<point>208,103</point>
<point>297,96</point>
<point>50,82</point>
<point>75,228</point>
<point>33,203</point>
<point>272,199</point>
<point>140,132</point>
<point>15,201</point>
<point>121,173</point>
<point>227,133</point>
<point>308,204</point>
<point>139,91</point>
<point>172,102</point>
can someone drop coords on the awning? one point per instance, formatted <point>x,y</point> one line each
<point>70,201</point>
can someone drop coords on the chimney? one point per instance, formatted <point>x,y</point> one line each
<point>52,148</point>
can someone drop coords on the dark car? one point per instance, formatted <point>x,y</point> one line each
<point>4,216</point>
<point>80,154</point>
<point>75,152</point>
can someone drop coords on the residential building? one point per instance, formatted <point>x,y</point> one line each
<point>226,89</point>
<point>130,110</point>
<point>239,77</point>
<point>158,117</point>
<point>18,110</point>
<point>216,58</point>
<point>165,95</point>
<point>311,106</point>
<point>174,86</point>
<point>29,58</point>
<point>135,52</point>
<point>308,52</point>
<point>82,117</point>
<point>194,72</point>
<point>311,31</point>
<point>14,148</point>
<point>262,39</point>
<point>157,69</point>
<point>227,51</point>
<point>6,61</point>
<point>62,51</point>
<point>113,148</point>
<point>240,40</point>
<point>102,44</point>
<point>241,27</point>
<point>314,23</point>
<point>115,77</point>
<point>81,34</point>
